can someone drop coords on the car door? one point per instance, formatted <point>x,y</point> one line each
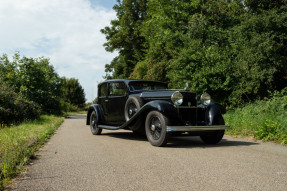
<point>117,96</point>
<point>102,99</point>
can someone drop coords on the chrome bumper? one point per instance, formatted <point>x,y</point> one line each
<point>196,128</point>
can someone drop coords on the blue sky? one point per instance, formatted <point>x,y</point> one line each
<point>66,31</point>
<point>105,3</point>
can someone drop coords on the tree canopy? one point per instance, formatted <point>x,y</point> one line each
<point>235,50</point>
<point>31,86</point>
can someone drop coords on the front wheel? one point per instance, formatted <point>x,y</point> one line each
<point>94,124</point>
<point>155,127</point>
<point>216,136</point>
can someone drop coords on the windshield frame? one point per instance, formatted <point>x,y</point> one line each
<point>135,86</point>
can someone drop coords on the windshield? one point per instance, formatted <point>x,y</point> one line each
<point>146,85</point>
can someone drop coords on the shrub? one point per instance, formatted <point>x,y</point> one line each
<point>263,119</point>
<point>270,131</point>
<point>14,108</point>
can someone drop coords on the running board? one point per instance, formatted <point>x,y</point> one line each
<point>196,128</point>
<point>109,127</point>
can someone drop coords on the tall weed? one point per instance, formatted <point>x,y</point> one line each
<point>263,119</point>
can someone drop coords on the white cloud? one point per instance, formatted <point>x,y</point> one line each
<point>66,31</point>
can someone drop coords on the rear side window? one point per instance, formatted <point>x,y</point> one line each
<point>117,89</point>
<point>103,90</point>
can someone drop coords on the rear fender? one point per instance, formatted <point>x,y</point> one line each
<point>99,112</point>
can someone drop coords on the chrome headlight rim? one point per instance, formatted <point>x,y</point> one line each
<point>177,98</point>
<point>205,99</point>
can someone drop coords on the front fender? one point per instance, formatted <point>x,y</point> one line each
<point>99,112</point>
<point>213,110</point>
<point>165,107</point>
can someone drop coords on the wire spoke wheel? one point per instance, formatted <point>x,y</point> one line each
<point>132,109</point>
<point>156,128</point>
<point>94,124</point>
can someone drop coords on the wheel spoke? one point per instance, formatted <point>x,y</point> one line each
<point>155,128</point>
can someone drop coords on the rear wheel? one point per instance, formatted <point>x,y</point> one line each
<point>94,124</point>
<point>132,106</point>
<point>155,127</point>
<point>216,136</point>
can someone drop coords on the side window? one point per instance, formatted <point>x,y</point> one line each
<point>103,90</point>
<point>117,89</point>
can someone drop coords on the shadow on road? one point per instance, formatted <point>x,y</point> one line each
<point>126,135</point>
<point>77,116</point>
<point>186,142</point>
<point>181,142</point>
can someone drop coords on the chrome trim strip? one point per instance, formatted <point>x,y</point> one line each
<point>109,127</point>
<point>196,128</point>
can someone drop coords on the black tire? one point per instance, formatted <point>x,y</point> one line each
<point>216,136</point>
<point>132,106</point>
<point>155,127</point>
<point>94,124</point>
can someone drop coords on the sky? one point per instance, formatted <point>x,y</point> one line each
<point>65,31</point>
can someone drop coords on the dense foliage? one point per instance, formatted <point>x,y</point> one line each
<point>72,93</point>
<point>125,36</point>
<point>263,119</point>
<point>235,50</point>
<point>30,86</point>
<point>15,108</point>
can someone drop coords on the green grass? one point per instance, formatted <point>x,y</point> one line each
<point>18,144</point>
<point>263,120</point>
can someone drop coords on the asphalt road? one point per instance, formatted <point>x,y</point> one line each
<point>74,159</point>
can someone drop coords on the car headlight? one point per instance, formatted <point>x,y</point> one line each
<point>205,99</point>
<point>177,98</point>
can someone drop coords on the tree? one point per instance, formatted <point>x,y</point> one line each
<point>235,50</point>
<point>255,5</point>
<point>34,79</point>
<point>73,92</point>
<point>124,36</point>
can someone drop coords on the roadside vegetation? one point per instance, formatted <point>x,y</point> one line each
<point>33,101</point>
<point>30,87</point>
<point>19,142</point>
<point>264,119</point>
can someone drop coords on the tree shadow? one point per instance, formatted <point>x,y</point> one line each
<point>77,116</point>
<point>181,141</point>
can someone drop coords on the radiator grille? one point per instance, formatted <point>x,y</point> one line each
<point>192,115</point>
<point>189,98</point>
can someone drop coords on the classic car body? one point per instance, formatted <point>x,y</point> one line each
<point>150,107</point>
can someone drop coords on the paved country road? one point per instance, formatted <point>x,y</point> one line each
<point>74,159</point>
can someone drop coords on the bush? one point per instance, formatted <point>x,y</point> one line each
<point>14,108</point>
<point>263,119</point>
<point>68,107</point>
<point>271,131</point>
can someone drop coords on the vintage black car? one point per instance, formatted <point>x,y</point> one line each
<point>150,107</point>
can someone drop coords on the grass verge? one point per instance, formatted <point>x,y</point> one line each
<point>18,144</point>
<point>263,120</point>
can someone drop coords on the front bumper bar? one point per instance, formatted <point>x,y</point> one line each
<point>196,128</point>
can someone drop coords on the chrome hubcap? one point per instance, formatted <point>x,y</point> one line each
<point>153,127</point>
